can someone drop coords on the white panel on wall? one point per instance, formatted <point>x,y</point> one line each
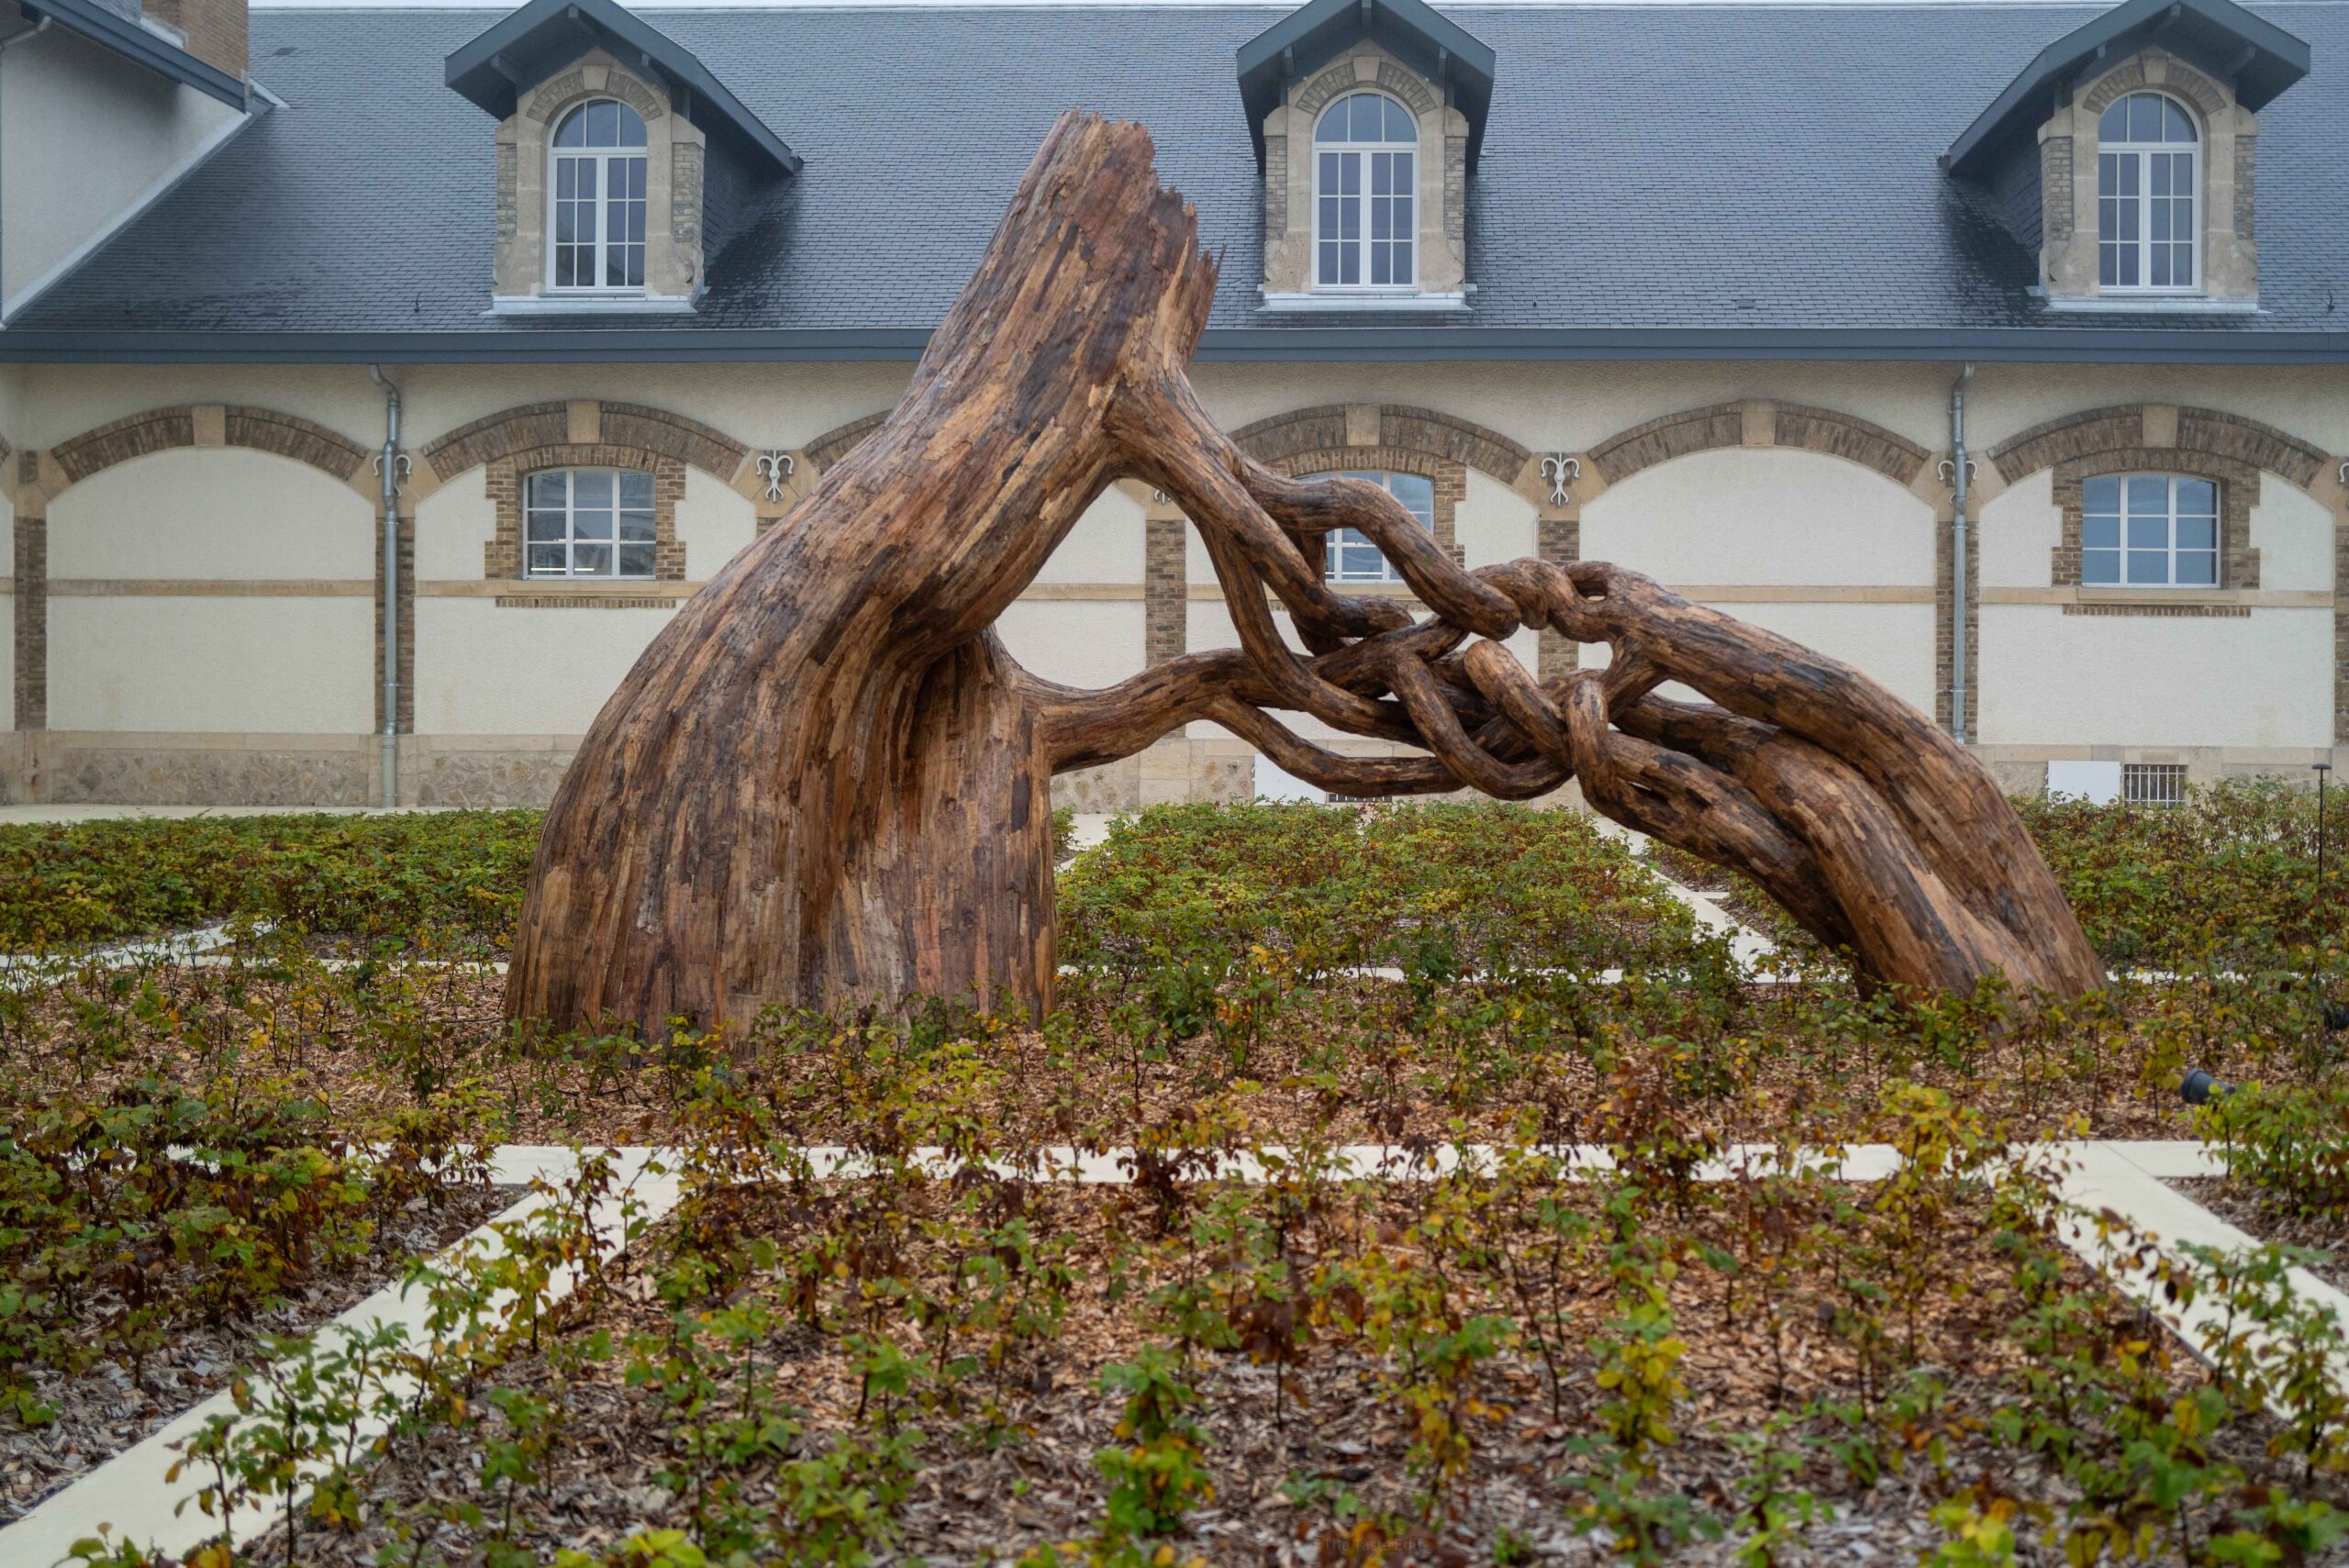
<point>2098,783</point>
<point>2018,534</point>
<point>270,665</point>
<point>481,670</point>
<point>1762,515</point>
<point>1078,642</point>
<point>216,512</point>
<point>2049,679</point>
<point>1104,546</point>
<point>1273,784</point>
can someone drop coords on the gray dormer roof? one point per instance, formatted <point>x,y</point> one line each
<point>546,36</point>
<point>2230,42</point>
<point>1317,32</point>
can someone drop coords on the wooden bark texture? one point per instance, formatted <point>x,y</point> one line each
<point>825,782</point>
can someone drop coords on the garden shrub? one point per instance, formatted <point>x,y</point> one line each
<point>2290,1142</point>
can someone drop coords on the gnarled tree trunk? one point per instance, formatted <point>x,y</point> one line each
<point>824,781</point>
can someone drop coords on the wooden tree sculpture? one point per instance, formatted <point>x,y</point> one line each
<point>824,781</point>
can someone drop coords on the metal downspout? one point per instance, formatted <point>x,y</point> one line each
<point>1959,466</point>
<point>389,463</point>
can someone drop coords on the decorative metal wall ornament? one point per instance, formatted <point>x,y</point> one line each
<point>1947,470</point>
<point>775,468</point>
<point>1560,472</point>
<point>399,473</point>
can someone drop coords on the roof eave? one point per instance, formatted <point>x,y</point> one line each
<point>2259,56</point>
<point>142,47</point>
<point>484,71</point>
<point>2121,345</point>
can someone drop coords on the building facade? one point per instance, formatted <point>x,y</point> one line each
<point>1721,293</point>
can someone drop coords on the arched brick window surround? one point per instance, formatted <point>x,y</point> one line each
<point>2161,439</point>
<point>515,443</point>
<point>1389,438</point>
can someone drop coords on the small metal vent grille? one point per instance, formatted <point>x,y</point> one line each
<point>2153,783</point>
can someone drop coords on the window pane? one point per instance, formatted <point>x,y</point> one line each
<point>627,127</point>
<point>2102,493</point>
<point>587,523</point>
<point>2145,117</point>
<point>2099,533</point>
<point>2114,125</point>
<point>547,489</point>
<point>636,488</point>
<point>591,561</point>
<point>1367,114</point>
<point>603,125</point>
<point>572,132</point>
<point>547,558</point>
<point>2198,533</point>
<point>545,526</point>
<point>1333,122</point>
<point>2149,566</point>
<point>2100,566</point>
<point>2198,497</point>
<point>636,560</point>
<point>1398,123</point>
<point>2197,569</point>
<point>2148,533</point>
<point>592,487</point>
<point>2176,126</point>
<point>2148,493</point>
<point>1417,492</point>
<point>636,527</point>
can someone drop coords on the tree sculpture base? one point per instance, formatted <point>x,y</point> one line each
<point>826,781</point>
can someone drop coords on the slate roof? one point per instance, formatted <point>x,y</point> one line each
<point>1666,179</point>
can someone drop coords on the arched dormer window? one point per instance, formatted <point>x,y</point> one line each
<point>597,186</point>
<point>2148,181</point>
<point>1366,180</point>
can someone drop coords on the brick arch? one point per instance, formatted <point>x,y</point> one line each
<point>558,96</point>
<point>2128,425</point>
<point>2179,80</point>
<point>841,440</point>
<point>1390,437</point>
<point>1791,425</point>
<point>174,427</point>
<point>627,427</point>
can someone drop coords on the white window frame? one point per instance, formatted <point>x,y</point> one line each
<point>2127,514</point>
<point>1334,543</point>
<point>2140,154</point>
<point>599,160</point>
<point>533,509</point>
<point>1363,152</point>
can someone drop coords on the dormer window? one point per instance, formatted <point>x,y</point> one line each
<point>1366,178</point>
<point>598,182</point>
<point>2148,181</point>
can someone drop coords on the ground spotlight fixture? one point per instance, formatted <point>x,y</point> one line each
<point>2200,1088</point>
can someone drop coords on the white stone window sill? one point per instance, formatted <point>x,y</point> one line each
<point>1363,301</point>
<point>2148,305</point>
<point>589,305</point>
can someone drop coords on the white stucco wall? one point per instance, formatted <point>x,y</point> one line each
<point>1762,515</point>
<point>713,522</point>
<point>2294,536</point>
<point>267,665</point>
<point>481,670</point>
<point>452,525</point>
<point>1104,546</point>
<point>1084,643</point>
<point>1494,523</point>
<point>2020,529</point>
<point>215,512</point>
<point>127,129</point>
<point>2056,680</point>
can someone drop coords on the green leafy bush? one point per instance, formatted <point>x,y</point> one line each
<point>2290,1142</point>
<point>361,876</point>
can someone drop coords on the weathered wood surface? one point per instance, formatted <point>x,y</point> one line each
<point>826,782</point>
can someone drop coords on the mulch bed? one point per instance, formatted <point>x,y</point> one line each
<point>2249,1210</point>
<point>106,1410</point>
